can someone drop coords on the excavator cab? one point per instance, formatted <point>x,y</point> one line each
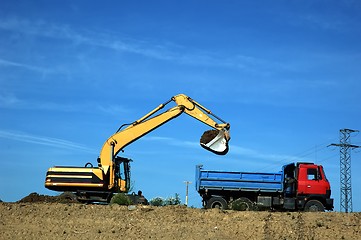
<point>216,141</point>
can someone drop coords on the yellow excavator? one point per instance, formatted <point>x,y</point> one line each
<point>112,175</point>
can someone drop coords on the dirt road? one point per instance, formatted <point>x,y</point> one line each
<point>79,221</point>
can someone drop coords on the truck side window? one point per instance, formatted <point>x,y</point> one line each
<point>312,174</point>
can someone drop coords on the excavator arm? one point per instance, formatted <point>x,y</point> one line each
<point>151,121</point>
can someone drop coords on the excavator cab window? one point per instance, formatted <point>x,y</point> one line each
<point>122,170</point>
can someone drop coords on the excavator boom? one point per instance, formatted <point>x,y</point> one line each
<point>149,122</point>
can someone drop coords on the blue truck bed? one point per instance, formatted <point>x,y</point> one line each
<point>232,180</point>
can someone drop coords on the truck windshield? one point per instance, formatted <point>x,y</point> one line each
<point>320,169</point>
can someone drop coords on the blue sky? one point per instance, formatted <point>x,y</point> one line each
<point>284,74</point>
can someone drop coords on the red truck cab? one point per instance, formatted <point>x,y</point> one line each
<point>312,186</point>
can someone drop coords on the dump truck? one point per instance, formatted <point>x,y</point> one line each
<point>297,187</point>
<point>111,174</point>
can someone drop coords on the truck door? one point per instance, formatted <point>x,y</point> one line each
<point>289,180</point>
<point>309,180</point>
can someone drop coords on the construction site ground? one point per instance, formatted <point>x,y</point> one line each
<point>43,217</point>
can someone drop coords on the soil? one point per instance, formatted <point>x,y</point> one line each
<point>35,197</point>
<point>208,136</point>
<point>44,217</point>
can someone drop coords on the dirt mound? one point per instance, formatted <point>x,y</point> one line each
<point>37,198</point>
<point>39,220</point>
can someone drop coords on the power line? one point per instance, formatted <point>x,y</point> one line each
<point>299,156</point>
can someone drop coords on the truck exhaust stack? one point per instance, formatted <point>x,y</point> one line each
<point>215,141</point>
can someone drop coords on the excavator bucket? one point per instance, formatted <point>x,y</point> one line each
<point>215,141</point>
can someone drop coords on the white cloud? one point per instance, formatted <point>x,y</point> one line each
<point>154,138</point>
<point>10,101</point>
<point>324,22</point>
<point>237,151</point>
<point>7,63</point>
<point>172,141</point>
<point>254,154</point>
<point>42,140</point>
<point>162,51</point>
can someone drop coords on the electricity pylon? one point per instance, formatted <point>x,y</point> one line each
<point>345,169</point>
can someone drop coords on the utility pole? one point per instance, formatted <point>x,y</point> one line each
<point>345,169</point>
<point>187,183</point>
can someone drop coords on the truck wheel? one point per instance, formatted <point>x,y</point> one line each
<point>217,202</point>
<point>242,204</point>
<point>314,206</point>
